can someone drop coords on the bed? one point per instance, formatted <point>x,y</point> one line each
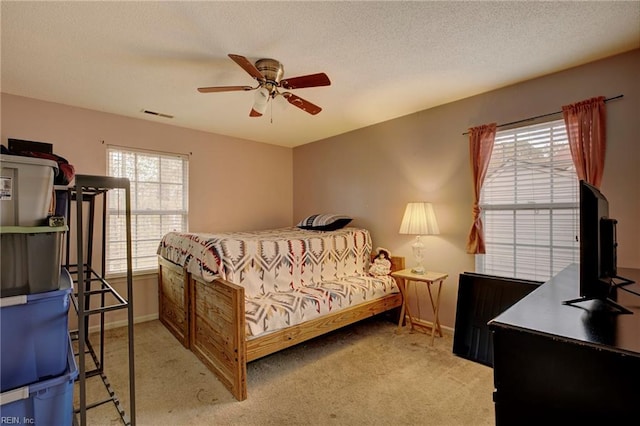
<point>232,298</point>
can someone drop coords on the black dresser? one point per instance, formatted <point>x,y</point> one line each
<point>560,364</point>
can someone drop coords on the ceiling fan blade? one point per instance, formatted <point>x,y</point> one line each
<point>247,66</point>
<point>304,105</point>
<point>255,113</point>
<point>311,80</point>
<point>224,89</point>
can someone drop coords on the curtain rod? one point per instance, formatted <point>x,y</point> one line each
<point>543,115</point>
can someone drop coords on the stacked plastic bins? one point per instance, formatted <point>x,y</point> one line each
<point>37,365</point>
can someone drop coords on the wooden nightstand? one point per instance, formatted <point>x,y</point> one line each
<point>429,278</point>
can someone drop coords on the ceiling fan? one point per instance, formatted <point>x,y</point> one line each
<point>269,73</point>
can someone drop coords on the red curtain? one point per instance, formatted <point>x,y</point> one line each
<point>586,130</point>
<point>481,140</point>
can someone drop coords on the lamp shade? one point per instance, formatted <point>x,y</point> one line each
<point>419,219</point>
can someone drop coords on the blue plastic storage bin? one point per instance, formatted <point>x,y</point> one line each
<point>34,335</point>
<point>47,402</point>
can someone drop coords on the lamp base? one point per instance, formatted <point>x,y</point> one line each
<point>418,253</point>
<point>418,270</point>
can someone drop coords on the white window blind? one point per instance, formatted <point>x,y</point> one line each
<point>529,204</point>
<point>159,204</point>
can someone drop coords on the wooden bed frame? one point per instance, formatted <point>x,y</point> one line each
<point>209,319</point>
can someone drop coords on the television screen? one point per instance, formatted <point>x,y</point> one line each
<point>598,247</point>
<point>593,208</point>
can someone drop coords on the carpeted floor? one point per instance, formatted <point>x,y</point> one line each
<point>365,374</point>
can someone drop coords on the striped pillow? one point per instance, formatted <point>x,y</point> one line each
<point>324,222</point>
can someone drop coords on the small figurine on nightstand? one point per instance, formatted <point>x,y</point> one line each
<point>381,263</point>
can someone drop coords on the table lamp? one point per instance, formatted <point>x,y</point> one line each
<point>419,219</point>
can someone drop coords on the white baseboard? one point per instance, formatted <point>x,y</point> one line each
<point>123,323</point>
<point>428,324</point>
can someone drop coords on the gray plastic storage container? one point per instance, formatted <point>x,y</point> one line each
<point>30,259</point>
<point>26,189</point>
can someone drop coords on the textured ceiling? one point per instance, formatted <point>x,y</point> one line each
<point>385,59</point>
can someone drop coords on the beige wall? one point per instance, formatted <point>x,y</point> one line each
<point>373,172</point>
<point>234,184</point>
<point>370,173</point>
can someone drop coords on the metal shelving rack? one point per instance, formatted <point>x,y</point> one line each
<point>91,284</point>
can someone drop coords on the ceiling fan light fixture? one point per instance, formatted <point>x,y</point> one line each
<point>260,102</point>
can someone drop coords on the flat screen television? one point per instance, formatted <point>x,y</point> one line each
<point>598,250</point>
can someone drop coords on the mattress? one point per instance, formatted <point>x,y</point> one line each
<point>270,260</point>
<point>277,310</point>
<point>290,275</point>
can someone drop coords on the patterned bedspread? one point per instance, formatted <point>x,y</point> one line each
<point>278,310</point>
<point>290,275</point>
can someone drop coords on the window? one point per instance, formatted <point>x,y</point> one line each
<point>530,204</point>
<point>159,204</point>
